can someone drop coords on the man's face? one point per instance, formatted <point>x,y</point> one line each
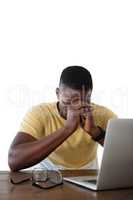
<point>70,97</point>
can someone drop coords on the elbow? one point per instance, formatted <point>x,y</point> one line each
<point>12,162</point>
<point>12,167</point>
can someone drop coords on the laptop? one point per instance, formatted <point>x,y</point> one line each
<point>116,170</point>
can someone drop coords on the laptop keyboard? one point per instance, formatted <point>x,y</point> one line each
<point>90,181</point>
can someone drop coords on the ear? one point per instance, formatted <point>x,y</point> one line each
<point>57,93</point>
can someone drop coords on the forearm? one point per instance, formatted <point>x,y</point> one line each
<point>96,132</point>
<point>30,153</point>
<point>101,142</point>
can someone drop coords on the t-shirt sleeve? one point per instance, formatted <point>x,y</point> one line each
<point>32,123</point>
<point>107,115</point>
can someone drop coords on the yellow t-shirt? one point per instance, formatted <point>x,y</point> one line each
<point>79,149</point>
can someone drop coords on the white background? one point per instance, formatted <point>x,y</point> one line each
<point>39,38</point>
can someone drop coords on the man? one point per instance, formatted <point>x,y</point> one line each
<point>63,134</point>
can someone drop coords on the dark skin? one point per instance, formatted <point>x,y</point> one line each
<point>74,106</point>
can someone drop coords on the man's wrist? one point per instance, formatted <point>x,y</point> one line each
<point>97,133</point>
<point>68,129</point>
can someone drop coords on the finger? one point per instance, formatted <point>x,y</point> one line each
<point>87,107</point>
<point>82,120</point>
<point>87,125</point>
<point>86,112</point>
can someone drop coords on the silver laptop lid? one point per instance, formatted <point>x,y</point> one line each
<point>117,162</point>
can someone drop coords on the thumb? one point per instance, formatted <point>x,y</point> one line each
<point>87,125</point>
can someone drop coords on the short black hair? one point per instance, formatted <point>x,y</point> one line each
<point>76,77</point>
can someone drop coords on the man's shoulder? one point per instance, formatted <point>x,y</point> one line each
<point>105,111</point>
<point>43,107</point>
<point>102,114</point>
